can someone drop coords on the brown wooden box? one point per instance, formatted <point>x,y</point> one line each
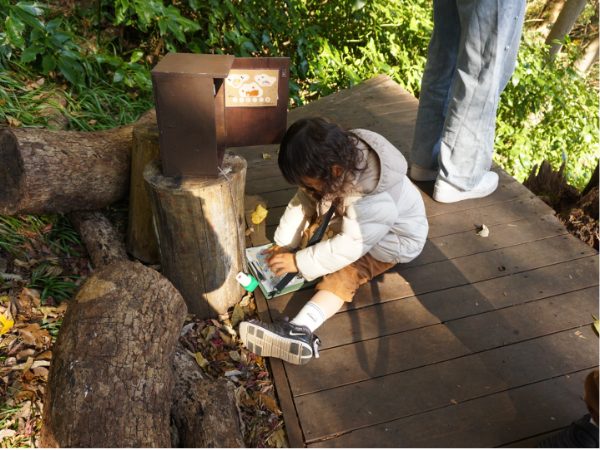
<point>200,111</point>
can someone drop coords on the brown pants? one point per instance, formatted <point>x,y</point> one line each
<point>346,281</point>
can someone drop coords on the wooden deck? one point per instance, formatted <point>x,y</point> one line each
<point>479,342</point>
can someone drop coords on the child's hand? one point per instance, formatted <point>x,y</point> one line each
<point>282,263</point>
<point>274,250</point>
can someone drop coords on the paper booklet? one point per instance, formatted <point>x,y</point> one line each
<point>267,280</point>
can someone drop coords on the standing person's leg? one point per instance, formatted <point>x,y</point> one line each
<point>294,341</point>
<point>435,88</point>
<point>490,34</point>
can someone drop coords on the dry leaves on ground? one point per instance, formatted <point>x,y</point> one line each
<point>220,353</point>
<point>26,350</point>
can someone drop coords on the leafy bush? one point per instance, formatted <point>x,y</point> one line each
<point>98,58</point>
<point>548,111</point>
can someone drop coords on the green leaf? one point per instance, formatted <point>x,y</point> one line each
<point>118,76</point>
<point>31,9</point>
<point>136,56</point>
<point>14,31</point>
<point>48,63</point>
<point>71,70</point>
<point>31,52</point>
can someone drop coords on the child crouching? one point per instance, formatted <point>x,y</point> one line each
<point>379,221</point>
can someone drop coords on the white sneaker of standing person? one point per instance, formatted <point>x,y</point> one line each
<point>444,192</point>
<point>418,173</point>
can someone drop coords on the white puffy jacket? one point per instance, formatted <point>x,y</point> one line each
<point>384,216</point>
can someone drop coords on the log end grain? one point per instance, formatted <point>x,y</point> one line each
<point>11,172</point>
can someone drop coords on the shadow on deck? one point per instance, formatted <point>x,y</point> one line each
<point>479,342</point>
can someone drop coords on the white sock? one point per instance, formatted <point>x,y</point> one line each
<point>311,316</point>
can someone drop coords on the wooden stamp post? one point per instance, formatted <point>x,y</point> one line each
<point>200,224</point>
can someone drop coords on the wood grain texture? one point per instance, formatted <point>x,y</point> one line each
<point>200,223</point>
<point>141,237</point>
<point>110,379</point>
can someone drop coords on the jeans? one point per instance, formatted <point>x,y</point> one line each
<point>471,56</point>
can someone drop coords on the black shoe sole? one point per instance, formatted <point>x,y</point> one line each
<point>264,342</point>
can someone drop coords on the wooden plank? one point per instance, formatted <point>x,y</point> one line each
<point>435,307</point>
<point>454,277</point>
<point>267,184</point>
<point>414,391</point>
<point>492,264</point>
<point>362,359</point>
<point>408,314</point>
<point>485,422</point>
<point>500,236</point>
<point>282,388</point>
<point>522,207</point>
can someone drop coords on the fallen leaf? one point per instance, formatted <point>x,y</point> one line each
<point>596,325</point>
<point>483,231</point>
<point>202,362</point>
<point>6,323</point>
<point>277,439</point>
<point>45,355</point>
<point>266,156</point>
<point>269,402</point>
<point>259,214</point>
<point>13,122</point>
<point>33,334</point>
<point>238,314</point>
<point>7,434</point>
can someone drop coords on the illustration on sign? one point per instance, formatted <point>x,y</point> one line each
<point>251,88</point>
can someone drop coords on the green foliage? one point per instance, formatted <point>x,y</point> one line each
<point>548,111</point>
<point>40,243</point>
<point>96,61</point>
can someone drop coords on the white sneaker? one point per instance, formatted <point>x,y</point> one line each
<point>444,192</point>
<point>418,173</point>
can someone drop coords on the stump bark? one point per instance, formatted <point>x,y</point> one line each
<point>141,237</point>
<point>111,379</point>
<point>100,238</point>
<point>44,171</point>
<point>200,226</point>
<point>204,411</point>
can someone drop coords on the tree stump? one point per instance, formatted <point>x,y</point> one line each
<point>141,238</point>
<point>204,412</point>
<point>200,226</point>
<point>111,378</point>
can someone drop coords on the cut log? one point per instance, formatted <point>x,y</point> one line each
<point>111,376</point>
<point>141,237</point>
<point>100,238</point>
<point>200,225</point>
<point>43,171</point>
<point>204,412</point>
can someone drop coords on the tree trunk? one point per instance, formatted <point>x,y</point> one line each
<point>200,227</point>
<point>43,171</point>
<point>589,57</point>
<point>100,238</point>
<point>204,412</point>
<point>593,183</point>
<point>141,237</point>
<point>111,378</point>
<point>563,25</point>
<point>549,15</point>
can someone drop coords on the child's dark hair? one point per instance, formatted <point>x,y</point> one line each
<point>312,146</point>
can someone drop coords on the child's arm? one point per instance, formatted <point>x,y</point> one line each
<point>295,218</point>
<point>363,226</point>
